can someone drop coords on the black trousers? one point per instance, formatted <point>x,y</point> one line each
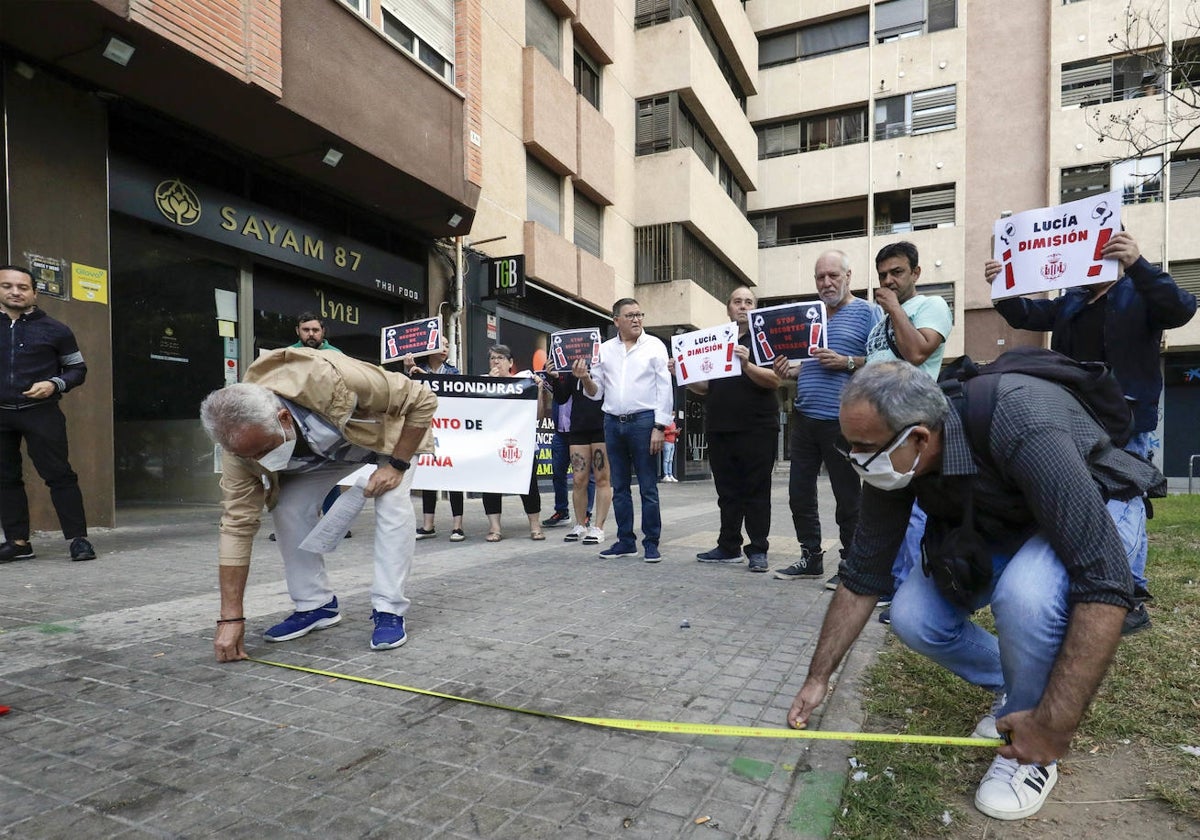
<point>429,499</point>
<point>531,501</point>
<point>741,466</point>
<point>813,443</point>
<point>44,430</point>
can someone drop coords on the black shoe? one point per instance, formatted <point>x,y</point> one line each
<point>885,617</point>
<point>1141,593</point>
<point>758,562</point>
<point>808,567</point>
<point>718,555</point>
<point>556,519</point>
<point>11,551</point>
<point>1136,620</point>
<point>833,583</point>
<point>81,549</point>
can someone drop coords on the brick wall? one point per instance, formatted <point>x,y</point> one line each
<point>241,37</point>
<point>468,78</point>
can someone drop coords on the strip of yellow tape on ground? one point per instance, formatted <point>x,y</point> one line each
<point>665,726</point>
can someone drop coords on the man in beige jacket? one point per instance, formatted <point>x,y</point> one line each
<point>301,421</point>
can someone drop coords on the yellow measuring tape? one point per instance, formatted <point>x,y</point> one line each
<point>662,725</point>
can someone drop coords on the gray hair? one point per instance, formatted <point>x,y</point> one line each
<point>234,408</point>
<point>841,255</point>
<point>901,394</point>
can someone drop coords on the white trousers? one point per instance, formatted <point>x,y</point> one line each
<point>297,512</point>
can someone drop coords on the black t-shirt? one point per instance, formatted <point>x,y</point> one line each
<point>736,404</point>
<point>1087,332</point>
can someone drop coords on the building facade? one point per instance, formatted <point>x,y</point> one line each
<point>186,178</point>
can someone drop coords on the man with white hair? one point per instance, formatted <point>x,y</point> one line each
<point>301,421</point>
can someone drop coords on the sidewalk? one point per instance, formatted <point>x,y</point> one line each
<point>123,725</point>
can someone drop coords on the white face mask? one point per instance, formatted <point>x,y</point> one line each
<point>279,457</point>
<point>876,467</point>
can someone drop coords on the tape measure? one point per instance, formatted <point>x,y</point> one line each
<point>670,727</point>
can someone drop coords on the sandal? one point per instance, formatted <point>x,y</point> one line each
<point>494,536</point>
<point>536,535</point>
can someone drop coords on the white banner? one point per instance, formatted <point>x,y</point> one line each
<point>706,354</point>
<point>1056,247</point>
<point>483,435</point>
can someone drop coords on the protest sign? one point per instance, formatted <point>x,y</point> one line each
<point>417,337</point>
<point>1056,247</point>
<point>568,345</point>
<point>483,435</point>
<point>793,330</point>
<point>706,354</point>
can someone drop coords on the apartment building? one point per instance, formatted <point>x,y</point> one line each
<point>925,119</point>
<point>186,178</point>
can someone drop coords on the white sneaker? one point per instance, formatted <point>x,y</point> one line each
<point>575,534</point>
<point>594,536</point>
<point>986,728</point>
<point>1013,791</point>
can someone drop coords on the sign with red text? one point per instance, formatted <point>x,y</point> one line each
<point>568,345</point>
<point>483,435</point>
<point>420,338</point>
<point>1056,247</point>
<point>792,330</point>
<point>706,354</point>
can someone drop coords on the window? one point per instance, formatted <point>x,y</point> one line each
<point>587,79</point>
<point>589,218</point>
<point>1185,177</point>
<point>806,134</point>
<point>819,39</point>
<point>898,19</point>
<point>823,222</point>
<point>1139,180</point>
<point>1186,274</point>
<point>424,28</point>
<point>943,290</point>
<point>360,6</point>
<point>902,211</point>
<point>542,31</point>
<point>664,122</point>
<point>916,113</point>
<point>1096,81</point>
<point>543,202</point>
<point>667,252</point>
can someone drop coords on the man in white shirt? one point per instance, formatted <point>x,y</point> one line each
<point>634,386</point>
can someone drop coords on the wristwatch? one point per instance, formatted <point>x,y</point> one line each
<point>659,427</point>
<point>850,366</point>
<point>399,464</point>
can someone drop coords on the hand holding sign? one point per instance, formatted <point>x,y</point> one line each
<point>793,330</point>
<point>706,354</point>
<point>569,346</point>
<point>415,338</point>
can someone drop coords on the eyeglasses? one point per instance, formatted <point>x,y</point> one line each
<point>856,458</point>
<point>634,316</point>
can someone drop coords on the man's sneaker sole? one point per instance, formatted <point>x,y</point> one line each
<point>610,554</point>
<point>389,645</point>
<point>319,624</point>
<point>783,574</point>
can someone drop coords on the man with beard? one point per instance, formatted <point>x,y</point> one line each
<point>310,329</point>
<point>814,426</point>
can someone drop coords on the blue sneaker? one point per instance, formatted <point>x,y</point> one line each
<point>303,622</point>
<point>389,630</point>
<point>650,553</point>
<point>618,550</point>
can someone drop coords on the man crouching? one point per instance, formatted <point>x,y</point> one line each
<point>301,421</point>
<point>1039,526</point>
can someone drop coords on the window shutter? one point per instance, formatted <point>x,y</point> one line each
<point>933,110</point>
<point>899,16</point>
<point>932,208</point>
<point>1187,275</point>
<point>588,218</point>
<point>943,14</point>
<point>1185,178</point>
<point>1087,84</point>
<point>544,198</point>
<point>779,49</point>
<point>541,31</point>
<point>431,20</point>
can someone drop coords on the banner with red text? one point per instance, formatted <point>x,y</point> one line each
<point>1056,247</point>
<point>706,354</point>
<point>484,435</point>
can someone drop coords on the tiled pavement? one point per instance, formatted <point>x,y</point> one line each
<point>123,725</point>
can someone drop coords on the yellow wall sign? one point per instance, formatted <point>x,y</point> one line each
<point>88,283</point>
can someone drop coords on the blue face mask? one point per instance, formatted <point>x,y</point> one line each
<point>279,457</point>
<point>876,467</point>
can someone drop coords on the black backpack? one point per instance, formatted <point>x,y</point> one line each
<point>972,388</point>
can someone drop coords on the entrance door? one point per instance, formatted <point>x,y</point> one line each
<point>167,356</point>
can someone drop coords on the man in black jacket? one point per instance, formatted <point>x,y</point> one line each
<point>41,362</point>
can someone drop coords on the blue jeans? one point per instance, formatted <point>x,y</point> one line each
<point>560,460</point>
<point>1140,444</point>
<point>668,459</point>
<point>909,554</point>
<point>628,445</point>
<point>1029,601</point>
